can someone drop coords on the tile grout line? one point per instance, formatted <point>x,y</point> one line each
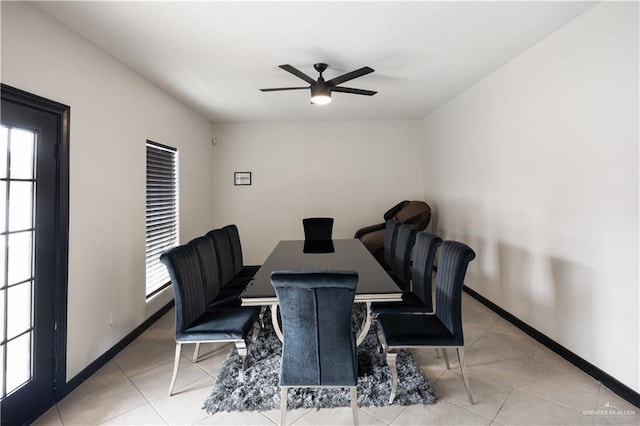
<point>502,405</point>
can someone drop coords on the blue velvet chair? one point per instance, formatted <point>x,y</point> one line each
<point>401,271</point>
<point>420,298</point>
<point>223,254</point>
<point>317,228</point>
<point>194,324</point>
<point>215,295</point>
<point>239,268</point>
<point>440,330</point>
<point>229,281</point>
<point>319,348</point>
<point>390,239</point>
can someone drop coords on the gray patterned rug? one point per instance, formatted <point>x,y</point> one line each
<point>260,390</point>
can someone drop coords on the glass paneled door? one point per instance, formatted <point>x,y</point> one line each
<point>29,190</point>
<point>17,190</point>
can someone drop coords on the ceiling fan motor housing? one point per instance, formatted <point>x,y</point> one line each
<point>320,67</point>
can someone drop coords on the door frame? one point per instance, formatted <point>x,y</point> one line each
<point>62,112</point>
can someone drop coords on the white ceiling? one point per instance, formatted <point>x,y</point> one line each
<point>214,56</point>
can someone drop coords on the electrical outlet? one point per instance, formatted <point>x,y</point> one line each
<point>112,319</point>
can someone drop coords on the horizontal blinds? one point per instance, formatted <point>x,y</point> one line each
<point>161,212</point>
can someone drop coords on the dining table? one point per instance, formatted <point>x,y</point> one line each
<point>374,283</point>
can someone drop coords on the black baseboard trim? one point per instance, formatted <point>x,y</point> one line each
<point>609,381</point>
<point>108,355</point>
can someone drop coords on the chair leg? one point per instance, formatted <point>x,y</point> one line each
<point>437,353</point>
<point>383,343</point>
<point>354,404</point>
<point>465,379</point>
<point>446,357</point>
<point>256,331</point>
<point>261,315</point>
<point>364,327</point>
<point>176,364</point>
<point>283,405</point>
<point>391,362</point>
<point>241,346</point>
<point>196,352</point>
<point>275,322</point>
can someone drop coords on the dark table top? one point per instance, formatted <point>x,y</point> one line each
<point>374,284</point>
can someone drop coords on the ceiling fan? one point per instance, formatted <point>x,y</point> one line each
<point>321,89</point>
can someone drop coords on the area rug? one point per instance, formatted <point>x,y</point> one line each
<point>260,390</point>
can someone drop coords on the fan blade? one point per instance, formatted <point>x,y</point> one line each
<point>298,73</point>
<point>354,91</point>
<point>275,89</point>
<point>350,76</point>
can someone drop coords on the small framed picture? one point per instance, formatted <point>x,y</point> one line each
<point>242,178</point>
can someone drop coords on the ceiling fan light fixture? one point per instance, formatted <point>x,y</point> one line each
<point>320,95</point>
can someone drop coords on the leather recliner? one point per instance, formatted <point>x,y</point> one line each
<point>417,213</point>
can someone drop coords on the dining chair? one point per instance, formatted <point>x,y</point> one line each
<point>319,347</point>
<point>223,254</point>
<point>229,281</point>
<point>194,324</point>
<point>420,298</point>
<point>239,268</point>
<point>317,228</point>
<point>215,294</point>
<point>401,271</point>
<point>443,329</point>
<point>390,238</point>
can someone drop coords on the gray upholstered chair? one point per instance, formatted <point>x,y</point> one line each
<point>390,239</point>
<point>223,254</point>
<point>420,298</point>
<point>317,228</point>
<point>229,281</point>
<point>239,268</point>
<point>440,330</point>
<point>194,324</point>
<point>422,267</point>
<point>215,295</point>
<point>319,348</point>
<point>401,271</point>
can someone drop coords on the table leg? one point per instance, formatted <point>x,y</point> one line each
<point>275,322</point>
<point>364,328</point>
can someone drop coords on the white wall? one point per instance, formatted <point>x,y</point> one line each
<point>352,171</point>
<point>536,167</point>
<point>113,112</point>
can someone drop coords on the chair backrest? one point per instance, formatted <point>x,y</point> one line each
<point>205,248</point>
<point>236,247</point>
<point>390,235</point>
<point>223,253</point>
<point>184,270</point>
<point>393,211</point>
<point>417,213</point>
<point>452,267</point>
<point>319,345</point>
<point>317,228</point>
<point>424,253</point>
<point>402,254</point>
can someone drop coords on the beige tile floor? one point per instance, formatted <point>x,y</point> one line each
<point>515,381</point>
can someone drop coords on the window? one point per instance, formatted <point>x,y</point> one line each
<point>162,212</point>
<point>17,231</point>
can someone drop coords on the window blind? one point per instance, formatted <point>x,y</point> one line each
<point>161,212</point>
